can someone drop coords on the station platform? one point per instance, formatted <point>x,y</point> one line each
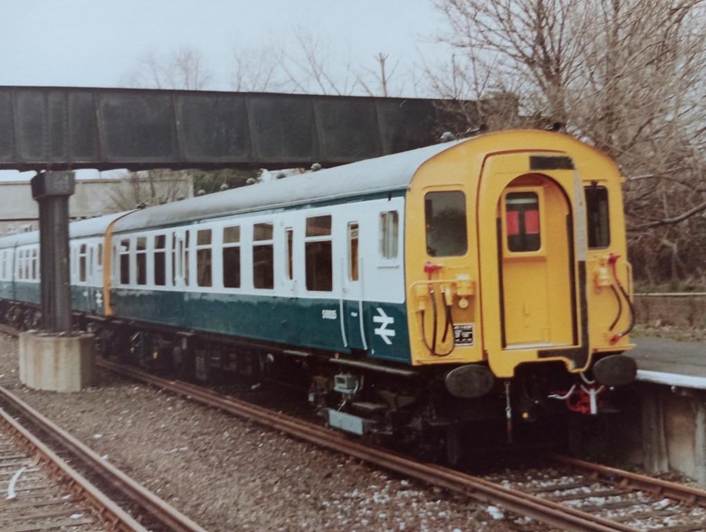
<point>670,362</point>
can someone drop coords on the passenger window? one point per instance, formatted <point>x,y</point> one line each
<point>263,256</point>
<point>141,260</point>
<point>289,252</point>
<point>175,254</point>
<point>124,251</point>
<point>82,263</point>
<point>35,265</point>
<point>203,257</point>
<point>522,221</point>
<point>185,265</point>
<point>389,233</point>
<point>597,217</point>
<point>318,251</point>
<point>99,257</point>
<point>445,218</point>
<point>160,260</point>
<point>353,251</point>
<point>231,257</point>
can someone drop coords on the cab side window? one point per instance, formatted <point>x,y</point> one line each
<point>445,217</point>
<point>597,217</point>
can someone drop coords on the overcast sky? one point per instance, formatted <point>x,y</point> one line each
<point>99,42</point>
<point>96,42</point>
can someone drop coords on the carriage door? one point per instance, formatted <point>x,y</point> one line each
<point>352,300</point>
<point>535,264</point>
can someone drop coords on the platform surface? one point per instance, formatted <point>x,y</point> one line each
<point>670,362</point>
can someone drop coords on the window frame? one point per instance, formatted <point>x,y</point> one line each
<point>541,251</point>
<point>82,273</point>
<point>350,269</point>
<point>426,222</point>
<point>164,252</point>
<point>35,263</point>
<point>289,254</point>
<point>383,260</point>
<point>315,239</point>
<point>122,241</point>
<point>228,245</point>
<point>262,243</point>
<point>198,249</point>
<point>601,187</point>
<point>136,252</point>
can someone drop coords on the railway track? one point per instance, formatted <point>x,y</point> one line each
<point>568,494</point>
<point>118,502</point>
<point>40,489</point>
<point>87,494</point>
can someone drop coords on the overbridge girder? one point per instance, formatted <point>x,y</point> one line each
<point>63,128</point>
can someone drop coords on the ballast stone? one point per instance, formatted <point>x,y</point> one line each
<point>57,363</point>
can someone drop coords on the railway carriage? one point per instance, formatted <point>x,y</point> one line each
<point>413,293</point>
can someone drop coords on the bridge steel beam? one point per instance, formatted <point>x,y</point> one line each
<point>55,128</point>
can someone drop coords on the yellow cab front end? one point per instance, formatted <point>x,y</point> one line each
<point>516,260</point>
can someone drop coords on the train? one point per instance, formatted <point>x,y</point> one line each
<point>413,296</point>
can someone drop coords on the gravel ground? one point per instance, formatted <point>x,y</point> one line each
<point>229,474</point>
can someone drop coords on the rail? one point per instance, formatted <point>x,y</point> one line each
<point>67,477</point>
<point>148,503</point>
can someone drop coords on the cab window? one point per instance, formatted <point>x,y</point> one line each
<point>522,221</point>
<point>597,217</point>
<point>445,217</point>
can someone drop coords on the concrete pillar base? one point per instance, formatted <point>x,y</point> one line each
<point>57,363</point>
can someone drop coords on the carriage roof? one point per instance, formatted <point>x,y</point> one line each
<point>369,177</point>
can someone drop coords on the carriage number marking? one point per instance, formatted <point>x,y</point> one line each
<point>329,314</point>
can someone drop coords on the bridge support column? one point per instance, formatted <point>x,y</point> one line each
<point>54,358</point>
<point>52,191</point>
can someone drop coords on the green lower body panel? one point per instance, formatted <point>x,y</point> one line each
<point>377,328</point>
<point>314,323</point>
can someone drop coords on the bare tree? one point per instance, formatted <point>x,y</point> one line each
<point>380,80</point>
<point>180,69</point>
<point>257,69</point>
<point>149,187</point>
<point>626,75</point>
<point>308,62</point>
